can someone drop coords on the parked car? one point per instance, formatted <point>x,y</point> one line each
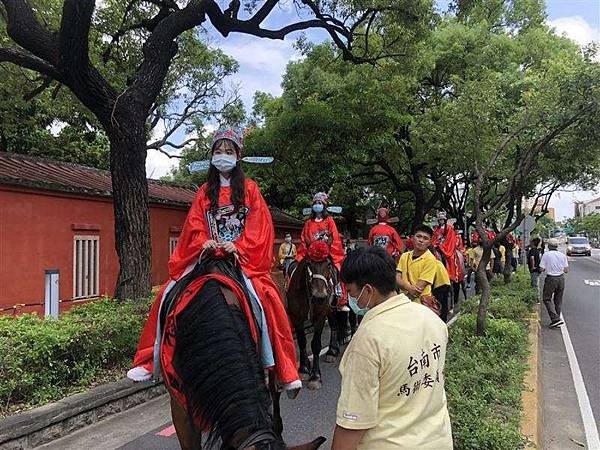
<point>578,245</point>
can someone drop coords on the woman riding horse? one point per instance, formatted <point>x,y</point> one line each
<point>211,364</point>
<point>321,227</point>
<point>229,216</point>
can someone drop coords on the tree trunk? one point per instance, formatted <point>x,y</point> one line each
<point>485,291</point>
<point>131,209</point>
<point>507,272</point>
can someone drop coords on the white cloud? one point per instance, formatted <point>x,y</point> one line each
<point>576,28</point>
<point>262,63</point>
<point>158,164</point>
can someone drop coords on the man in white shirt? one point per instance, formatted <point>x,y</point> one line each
<point>555,264</point>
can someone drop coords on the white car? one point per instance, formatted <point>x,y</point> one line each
<point>578,245</point>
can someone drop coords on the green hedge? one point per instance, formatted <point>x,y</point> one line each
<point>46,359</point>
<point>484,375</point>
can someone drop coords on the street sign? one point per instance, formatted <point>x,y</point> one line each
<point>526,227</point>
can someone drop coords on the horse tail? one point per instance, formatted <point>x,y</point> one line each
<point>219,369</point>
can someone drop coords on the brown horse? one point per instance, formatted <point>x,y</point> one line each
<point>310,295</point>
<point>214,374</point>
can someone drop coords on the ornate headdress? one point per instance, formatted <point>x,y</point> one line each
<point>321,197</point>
<point>231,134</point>
<point>383,214</point>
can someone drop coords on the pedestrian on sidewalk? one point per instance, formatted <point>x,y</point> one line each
<point>533,262</point>
<point>555,264</point>
<point>392,391</point>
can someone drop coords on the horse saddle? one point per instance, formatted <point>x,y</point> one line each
<point>206,266</point>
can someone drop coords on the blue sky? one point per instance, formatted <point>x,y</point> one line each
<point>262,63</point>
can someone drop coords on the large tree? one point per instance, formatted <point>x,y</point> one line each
<point>60,46</point>
<point>530,118</point>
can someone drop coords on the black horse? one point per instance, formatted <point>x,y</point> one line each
<point>310,296</point>
<point>218,369</point>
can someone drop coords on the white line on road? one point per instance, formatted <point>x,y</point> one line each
<point>589,424</point>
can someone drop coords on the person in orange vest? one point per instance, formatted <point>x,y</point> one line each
<point>230,216</point>
<point>385,236</point>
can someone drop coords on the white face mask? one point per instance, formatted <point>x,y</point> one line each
<point>224,163</point>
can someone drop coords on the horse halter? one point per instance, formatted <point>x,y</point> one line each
<point>257,437</point>
<point>317,276</point>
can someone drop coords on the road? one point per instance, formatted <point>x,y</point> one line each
<point>148,426</point>
<point>563,417</point>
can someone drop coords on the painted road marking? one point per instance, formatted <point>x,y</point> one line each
<point>592,282</point>
<point>589,423</point>
<point>169,431</point>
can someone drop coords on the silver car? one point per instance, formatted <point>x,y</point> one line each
<point>578,245</point>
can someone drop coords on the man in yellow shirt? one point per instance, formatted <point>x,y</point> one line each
<point>392,394</point>
<point>287,253</point>
<point>417,268</point>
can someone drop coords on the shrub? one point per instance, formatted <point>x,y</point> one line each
<point>45,359</point>
<point>484,375</point>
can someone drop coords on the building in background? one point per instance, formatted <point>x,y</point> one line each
<point>585,208</point>
<point>528,205</point>
<point>57,239</point>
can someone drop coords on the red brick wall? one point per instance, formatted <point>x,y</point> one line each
<point>36,233</point>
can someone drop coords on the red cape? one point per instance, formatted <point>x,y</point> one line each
<point>254,236</point>
<point>314,231</point>
<point>394,242</point>
<point>448,241</point>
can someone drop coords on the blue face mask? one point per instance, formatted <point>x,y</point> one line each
<point>317,207</point>
<point>224,163</point>
<point>353,304</point>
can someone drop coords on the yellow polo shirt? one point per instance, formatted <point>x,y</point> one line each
<point>422,268</point>
<point>441,275</point>
<point>393,381</point>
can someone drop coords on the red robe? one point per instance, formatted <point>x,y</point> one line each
<point>253,234</point>
<point>325,230</point>
<point>448,242</point>
<point>383,234</point>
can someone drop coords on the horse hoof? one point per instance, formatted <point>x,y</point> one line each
<point>330,358</point>
<point>314,385</point>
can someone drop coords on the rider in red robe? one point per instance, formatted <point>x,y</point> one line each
<point>384,235</point>
<point>322,227</point>
<point>447,241</point>
<point>224,223</point>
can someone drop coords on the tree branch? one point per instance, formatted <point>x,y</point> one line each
<point>23,27</point>
<point>74,35</point>
<point>23,59</point>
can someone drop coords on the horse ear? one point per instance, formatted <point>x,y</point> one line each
<point>311,445</point>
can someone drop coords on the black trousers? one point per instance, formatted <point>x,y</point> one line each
<point>441,294</point>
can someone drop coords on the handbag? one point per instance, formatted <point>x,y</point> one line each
<point>432,303</point>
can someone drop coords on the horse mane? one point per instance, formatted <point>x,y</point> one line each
<point>298,278</point>
<point>221,375</point>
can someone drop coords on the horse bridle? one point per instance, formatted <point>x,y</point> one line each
<point>312,276</point>
<point>257,437</point>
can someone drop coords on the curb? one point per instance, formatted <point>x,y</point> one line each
<point>41,425</point>
<point>532,396</point>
